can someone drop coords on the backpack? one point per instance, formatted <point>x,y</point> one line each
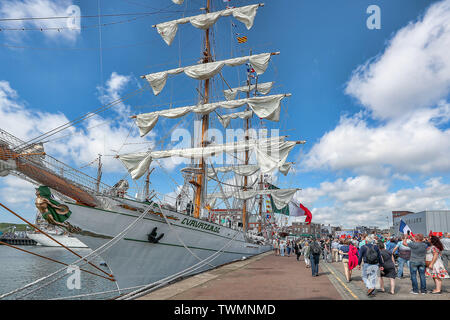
<point>315,249</point>
<point>371,255</point>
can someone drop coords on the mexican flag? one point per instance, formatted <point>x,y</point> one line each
<point>284,211</point>
<point>297,210</point>
<point>293,209</point>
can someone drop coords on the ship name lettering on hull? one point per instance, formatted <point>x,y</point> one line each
<point>200,225</point>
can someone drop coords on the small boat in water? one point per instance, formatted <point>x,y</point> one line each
<point>62,236</point>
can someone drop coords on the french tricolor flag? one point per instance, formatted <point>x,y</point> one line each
<point>298,210</point>
<point>404,228</point>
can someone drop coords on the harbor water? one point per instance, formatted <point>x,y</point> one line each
<point>18,268</point>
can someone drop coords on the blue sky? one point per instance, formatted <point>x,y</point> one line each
<point>373,105</point>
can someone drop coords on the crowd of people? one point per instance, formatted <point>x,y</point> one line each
<point>380,258</point>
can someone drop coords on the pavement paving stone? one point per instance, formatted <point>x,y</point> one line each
<point>271,277</point>
<point>402,286</point>
<point>264,277</point>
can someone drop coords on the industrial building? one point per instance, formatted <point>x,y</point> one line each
<point>423,221</point>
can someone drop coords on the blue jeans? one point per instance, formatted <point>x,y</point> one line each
<point>314,264</point>
<point>282,252</point>
<point>401,265</point>
<point>413,268</point>
<point>288,251</point>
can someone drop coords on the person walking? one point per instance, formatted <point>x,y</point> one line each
<point>322,247</point>
<point>435,266</point>
<point>370,254</point>
<point>341,243</point>
<point>276,247</point>
<point>445,254</point>
<point>305,252</point>
<point>335,250</point>
<point>297,249</point>
<point>314,257</point>
<point>391,244</point>
<point>417,262</point>
<point>328,257</point>
<point>345,248</point>
<point>387,269</point>
<point>404,254</point>
<point>352,259</point>
<point>282,247</point>
<point>363,240</point>
<point>288,248</point>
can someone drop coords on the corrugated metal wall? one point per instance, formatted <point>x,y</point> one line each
<point>424,221</point>
<point>438,220</point>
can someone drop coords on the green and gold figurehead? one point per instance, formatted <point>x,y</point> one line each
<point>52,211</point>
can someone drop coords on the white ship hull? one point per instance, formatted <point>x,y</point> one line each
<point>68,241</point>
<point>135,261</point>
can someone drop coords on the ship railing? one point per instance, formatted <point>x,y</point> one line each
<point>38,161</point>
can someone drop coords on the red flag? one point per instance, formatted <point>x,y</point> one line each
<point>307,214</point>
<point>296,209</point>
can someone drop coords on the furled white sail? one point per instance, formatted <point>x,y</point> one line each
<point>207,70</point>
<point>263,88</point>
<point>226,118</point>
<point>246,15</point>
<point>285,168</point>
<point>242,170</point>
<point>281,197</point>
<point>246,169</point>
<point>271,153</point>
<point>267,107</point>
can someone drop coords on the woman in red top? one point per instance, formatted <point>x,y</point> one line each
<point>352,258</point>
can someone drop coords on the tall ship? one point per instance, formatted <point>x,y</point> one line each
<point>218,214</point>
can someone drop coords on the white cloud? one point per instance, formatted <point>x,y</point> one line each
<point>21,121</point>
<point>18,195</point>
<point>16,190</point>
<point>78,145</point>
<point>414,70</point>
<point>404,90</point>
<point>414,143</point>
<point>111,92</point>
<point>38,8</point>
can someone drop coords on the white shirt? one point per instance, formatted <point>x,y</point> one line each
<point>446,243</point>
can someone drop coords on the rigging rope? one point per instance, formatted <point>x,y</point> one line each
<point>91,255</point>
<point>81,118</point>
<point>155,285</point>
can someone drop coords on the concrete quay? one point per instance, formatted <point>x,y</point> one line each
<point>271,277</point>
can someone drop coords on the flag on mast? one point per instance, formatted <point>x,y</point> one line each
<point>298,210</point>
<point>404,228</point>
<point>242,39</point>
<point>284,210</point>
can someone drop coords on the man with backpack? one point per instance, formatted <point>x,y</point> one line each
<point>370,254</point>
<point>315,252</point>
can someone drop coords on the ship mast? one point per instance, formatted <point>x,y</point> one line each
<point>147,184</point>
<point>205,122</point>
<point>247,125</point>
<point>99,172</point>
